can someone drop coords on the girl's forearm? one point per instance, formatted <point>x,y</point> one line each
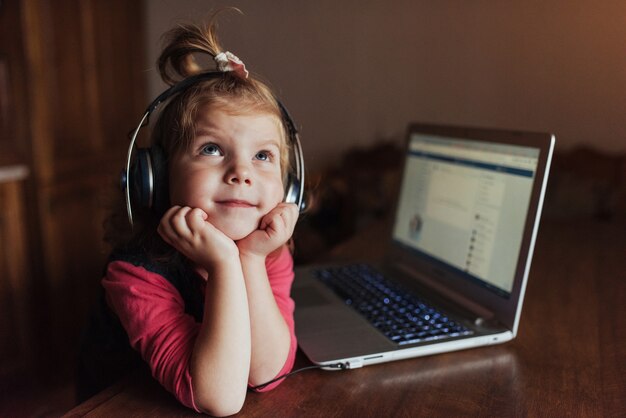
<point>220,362</point>
<point>270,336</point>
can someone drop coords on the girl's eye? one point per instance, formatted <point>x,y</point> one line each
<point>211,149</point>
<point>263,156</point>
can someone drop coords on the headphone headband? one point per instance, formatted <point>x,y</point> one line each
<point>181,86</point>
<point>295,187</point>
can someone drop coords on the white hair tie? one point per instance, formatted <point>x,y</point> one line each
<point>227,61</point>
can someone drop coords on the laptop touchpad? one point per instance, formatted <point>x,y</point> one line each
<point>309,296</point>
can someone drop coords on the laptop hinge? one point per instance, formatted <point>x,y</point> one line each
<point>479,311</point>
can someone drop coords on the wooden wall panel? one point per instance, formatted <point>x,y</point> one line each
<point>6,111</point>
<point>13,115</point>
<point>15,283</point>
<point>15,274</point>
<point>75,255</point>
<point>85,90</point>
<point>71,46</point>
<point>122,80</point>
<point>96,92</point>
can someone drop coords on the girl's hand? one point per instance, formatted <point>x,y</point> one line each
<point>274,230</point>
<point>188,231</point>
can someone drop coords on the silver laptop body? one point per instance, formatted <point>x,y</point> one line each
<point>466,219</point>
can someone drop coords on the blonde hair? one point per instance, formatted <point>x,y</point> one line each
<point>228,91</point>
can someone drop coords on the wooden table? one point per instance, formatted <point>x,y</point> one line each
<point>569,358</point>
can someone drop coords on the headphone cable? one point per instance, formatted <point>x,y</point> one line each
<point>341,366</point>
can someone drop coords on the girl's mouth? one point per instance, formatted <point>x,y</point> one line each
<point>236,203</point>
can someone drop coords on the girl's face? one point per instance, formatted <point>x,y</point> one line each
<point>231,170</point>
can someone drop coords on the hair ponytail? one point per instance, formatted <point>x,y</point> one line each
<point>177,60</point>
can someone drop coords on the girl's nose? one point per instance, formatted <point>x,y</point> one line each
<point>238,173</point>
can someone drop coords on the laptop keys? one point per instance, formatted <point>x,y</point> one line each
<point>400,316</point>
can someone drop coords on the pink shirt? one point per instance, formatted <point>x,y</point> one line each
<point>153,315</point>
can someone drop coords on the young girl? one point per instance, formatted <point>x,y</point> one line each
<point>201,292</point>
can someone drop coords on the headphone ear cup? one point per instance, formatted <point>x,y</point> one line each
<point>141,179</point>
<point>148,180</point>
<point>292,190</point>
<point>160,186</point>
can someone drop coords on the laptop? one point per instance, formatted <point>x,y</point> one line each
<point>457,259</point>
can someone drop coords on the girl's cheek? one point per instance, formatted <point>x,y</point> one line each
<point>280,192</point>
<point>275,185</point>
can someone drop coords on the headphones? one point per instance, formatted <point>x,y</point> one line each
<point>145,182</point>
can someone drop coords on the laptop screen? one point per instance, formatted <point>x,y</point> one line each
<point>458,198</point>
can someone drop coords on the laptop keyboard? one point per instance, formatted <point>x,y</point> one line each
<point>399,315</point>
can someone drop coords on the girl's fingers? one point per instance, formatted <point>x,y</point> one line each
<point>269,220</point>
<point>196,219</point>
<point>288,214</point>
<point>173,224</point>
<point>291,215</point>
<point>165,229</point>
<point>281,219</point>
<point>178,221</point>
